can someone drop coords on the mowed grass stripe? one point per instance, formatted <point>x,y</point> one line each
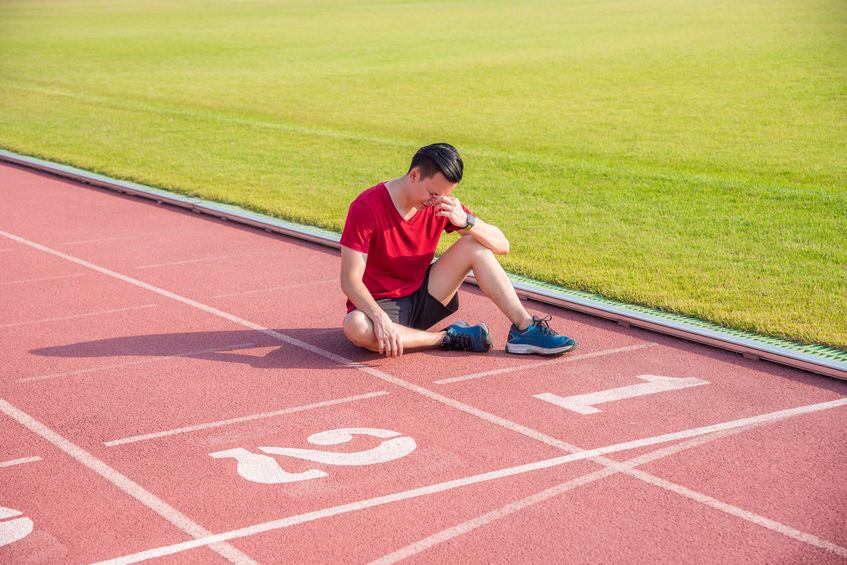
<point>595,168</point>
<point>684,156</point>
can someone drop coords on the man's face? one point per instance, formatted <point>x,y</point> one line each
<point>425,192</point>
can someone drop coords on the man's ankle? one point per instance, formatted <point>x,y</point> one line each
<point>524,325</point>
<point>445,339</point>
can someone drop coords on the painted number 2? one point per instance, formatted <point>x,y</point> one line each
<point>13,526</point>
<point>265,469</point>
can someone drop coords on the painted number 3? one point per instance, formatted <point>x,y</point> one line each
<point>265,469</point>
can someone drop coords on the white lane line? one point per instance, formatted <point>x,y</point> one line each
<point>131,488</point>
<point>518,505</point>
<point>192,261</point>
<point>117,238</point>
<point>740,513</point>
<point>77,316</point>
<point>474,479</point>
<point>275,288</point>
<point>7,249</point>
<point>132,363</point>
<point>27,281</point>
<point>263,415</point>
<point>557,361</point>
<point>19,461</point>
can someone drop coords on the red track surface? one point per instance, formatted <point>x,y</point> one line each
<point>138,341</point>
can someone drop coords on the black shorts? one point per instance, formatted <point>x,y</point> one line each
<point>419,310</point>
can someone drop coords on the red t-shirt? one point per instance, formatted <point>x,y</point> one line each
<point>399,251</point>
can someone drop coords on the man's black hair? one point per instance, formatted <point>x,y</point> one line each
<point>439,157</point>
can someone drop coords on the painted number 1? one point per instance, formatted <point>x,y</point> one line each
<point>265,469</point>
<point>584,403</point>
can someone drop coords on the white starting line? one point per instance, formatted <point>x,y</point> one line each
<point>20,461</point>
<point>250,418</point>
<point>547,363</point>
<point>275,288</point>
<point>78,316</point>
<point>42,279</point>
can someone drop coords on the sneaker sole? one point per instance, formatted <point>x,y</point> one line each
<point>486,338</point>
<point>523,349</point>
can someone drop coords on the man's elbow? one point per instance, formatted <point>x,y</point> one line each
<point>502,247</point>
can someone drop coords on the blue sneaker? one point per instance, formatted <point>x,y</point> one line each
<point>463,337</point>
<point>538,338</point>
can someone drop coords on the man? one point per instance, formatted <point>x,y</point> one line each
<point>396,293</point>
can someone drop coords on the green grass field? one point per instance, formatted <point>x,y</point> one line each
<point>688,156</point>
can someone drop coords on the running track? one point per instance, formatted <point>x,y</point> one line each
<point>175,388</point>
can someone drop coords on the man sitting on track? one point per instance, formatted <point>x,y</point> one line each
<point>395,292</point>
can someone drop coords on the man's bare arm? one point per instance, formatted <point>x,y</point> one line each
<point>490,236</point>
<point>487,234</point>
<point>352,270</point>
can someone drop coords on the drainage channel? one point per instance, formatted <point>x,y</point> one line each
<point>814,358</point>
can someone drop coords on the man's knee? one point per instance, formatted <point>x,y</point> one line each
<point>471,248</point>
<point>358,329</point>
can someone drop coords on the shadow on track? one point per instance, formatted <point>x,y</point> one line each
<point>258,350</point>
<point>247,347</point>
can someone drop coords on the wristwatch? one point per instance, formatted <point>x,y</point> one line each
<point>471,222</point>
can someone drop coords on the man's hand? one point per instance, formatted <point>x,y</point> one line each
<point>387,336</point>
<point>452,209</point>
<point>487,234</point>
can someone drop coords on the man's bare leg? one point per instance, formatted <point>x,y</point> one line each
<point>466,254</point>
<point>360,331</point>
